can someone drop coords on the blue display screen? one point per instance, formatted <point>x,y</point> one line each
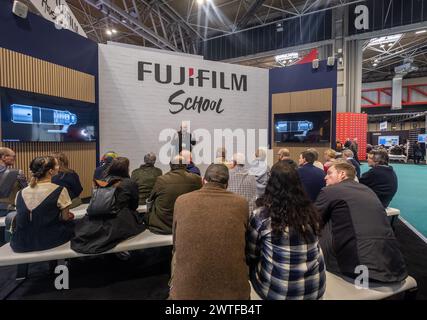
<point>32,117</point>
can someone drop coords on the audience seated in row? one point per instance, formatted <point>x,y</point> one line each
<point>12,180</point>
<point>312,178</point>
<point>168,187</point>
<point>316,162</point>
<point>101,171</point>
<point>285,155</point>
<point>241,182</point>
<point>145,177</point>
<point>188,160</point>
<point>96,234</point>
<point>349,156</point>
<point>260,170</point>
<point>43,220</point>
<point>330,156</point>
<point>209,227</point>
<point>356,229</point>
<point>282,240</point>
<point>381,178</point>
<point>67,178</point>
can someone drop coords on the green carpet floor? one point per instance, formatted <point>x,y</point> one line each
<point>411,196</point>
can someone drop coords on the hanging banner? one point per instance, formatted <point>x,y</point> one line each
<point>383,126</point>
<point>60,14</point>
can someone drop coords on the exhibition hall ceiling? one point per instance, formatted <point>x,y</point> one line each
<point>179,25</point>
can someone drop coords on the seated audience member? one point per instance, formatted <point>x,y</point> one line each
<point>347,143</point>
<point>241,182</point>
<point>11,181</point>
<point>338,146</point>
<point>145,176</point>
<point>209,228</point>
<point>357,231</point>
<point>260,170</point>
<point>316,162</point>
<point>188,160</point>
<point>348,155</point>
<point>68,178</point>
<point>42,220</point>
<point>369,148</point>
<point>284,155</point>
<point>330,156</point>
<point>96,234</point>
<point>355,148</point>
<point>282,241</point>
<point>381,178</point>
<point>312,178</point>
<point>101,171</point>
<point>166,189</point>
<point>220,156</point>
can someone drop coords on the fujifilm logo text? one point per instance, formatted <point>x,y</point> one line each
<point>167,74</point>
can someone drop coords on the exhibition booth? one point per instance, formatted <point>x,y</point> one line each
<point>60,91</point>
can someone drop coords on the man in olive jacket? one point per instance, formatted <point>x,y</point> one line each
<point>145,177</point>
<point>167,188</point>
<point>209,242</point>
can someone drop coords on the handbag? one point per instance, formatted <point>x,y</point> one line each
<point>103,201</point>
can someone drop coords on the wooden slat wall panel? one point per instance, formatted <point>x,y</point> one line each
<point>22,72</point>
<point>82,157</point>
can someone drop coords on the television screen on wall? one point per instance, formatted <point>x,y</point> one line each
<point>303,127</point>
<point>28,116</point>
<point>422,138</point>
<point>388,141</point>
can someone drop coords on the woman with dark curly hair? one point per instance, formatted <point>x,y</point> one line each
<point>283,252</point>
<point>43,218</point>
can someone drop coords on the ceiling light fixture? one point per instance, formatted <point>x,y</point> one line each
<point>420,31</point>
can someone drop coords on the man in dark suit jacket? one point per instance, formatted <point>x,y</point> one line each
<point>312,178</point>
<point>381,178</point>
<point>356,229</point>
<point>349,156</point>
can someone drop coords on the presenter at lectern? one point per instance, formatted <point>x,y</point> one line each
<point>182,139</point>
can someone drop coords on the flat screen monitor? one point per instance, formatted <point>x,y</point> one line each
<point>388,141</point>
<point>422,138</point>
<point>28,116</point>
<point>303,127</point>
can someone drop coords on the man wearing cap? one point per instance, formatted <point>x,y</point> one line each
<point>209,227</point>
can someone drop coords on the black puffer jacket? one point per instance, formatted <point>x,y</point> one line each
<point>99,234</point>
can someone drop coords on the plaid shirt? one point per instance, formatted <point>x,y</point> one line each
<point>285,267</point>
<point>242,183</point>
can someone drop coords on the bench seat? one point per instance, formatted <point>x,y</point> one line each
<point>144,240</point>
<point>342,288</point>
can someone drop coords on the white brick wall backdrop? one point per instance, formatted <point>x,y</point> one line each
<point>133,113</point>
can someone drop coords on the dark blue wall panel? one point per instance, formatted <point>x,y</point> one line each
<point>37,37</point>
<point>302,77</point>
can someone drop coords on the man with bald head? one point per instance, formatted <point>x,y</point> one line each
<point>160,204</point>
<point>209,227</point>
<point>11,181</point>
